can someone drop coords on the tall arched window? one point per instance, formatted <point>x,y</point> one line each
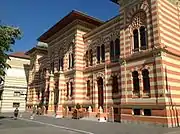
<point>146,80</point>
<point>102,52</point>
<point>91,57</point>
<point>88,88</point>
<point>117,48</point>
<point>98,54</point>
<point>138,26</point>
<point>111,50</point>
<point>143,37</point>
<point>71,86</point>
<point>69,61</point>
<point>87,59</point>
<point>115,84</point>
<point>136,40</point>
<point>67,89</point>
<point>72,57</point>
<point>135,82</point>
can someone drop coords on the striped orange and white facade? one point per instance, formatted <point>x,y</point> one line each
<point>128,66</point>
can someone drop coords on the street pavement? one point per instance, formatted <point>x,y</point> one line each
<point>48,125</point>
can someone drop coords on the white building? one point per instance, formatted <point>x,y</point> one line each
<point>15,83</point>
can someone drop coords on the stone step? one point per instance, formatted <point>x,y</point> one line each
<point>89,118</point>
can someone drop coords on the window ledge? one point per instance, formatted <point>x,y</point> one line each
<point>146,95</point>
<point>136,95</point>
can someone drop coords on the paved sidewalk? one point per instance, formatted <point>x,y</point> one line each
<point>100,128</point>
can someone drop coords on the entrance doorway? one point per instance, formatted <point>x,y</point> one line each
<point>100,92</point>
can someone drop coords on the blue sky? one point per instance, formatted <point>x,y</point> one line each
<point>34,17</point>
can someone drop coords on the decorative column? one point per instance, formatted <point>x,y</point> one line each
<point>140,84</point>
<point>61,95</point>
<point>51,95</point>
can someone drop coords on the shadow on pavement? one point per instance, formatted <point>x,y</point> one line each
<point>4,117</point>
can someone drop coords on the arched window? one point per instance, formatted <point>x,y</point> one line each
<point>98,54</point>
<point>71,86</point>
<point>91,57</point>
<point>111,50</point>
<point>117,48</point>
<point>102,52</point>
<point>67,90</point>
<point>146,80</point>
<point>115,84</point>
<point>138,26</point>
<point>72,57</point>
<point>136,40</point>
<point>143,37</point>
<point>87,59</point>
<point>135,82</point>
<point>88,88</point>
<point>69,61</point>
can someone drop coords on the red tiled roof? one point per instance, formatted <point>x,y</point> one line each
<point>19,55</point>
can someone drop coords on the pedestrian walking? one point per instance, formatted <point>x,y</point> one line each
<point>16,112</point>
<point>33,113</point>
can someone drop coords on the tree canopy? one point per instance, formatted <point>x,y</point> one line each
<point>8,36</point>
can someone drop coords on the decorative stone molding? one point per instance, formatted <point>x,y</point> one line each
<point>115,74</point>
<point>141,6</point>
<point>100,74</point>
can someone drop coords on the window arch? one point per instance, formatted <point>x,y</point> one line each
<point>146,80</point>
<point>138,26</point>
<point>136,87</point>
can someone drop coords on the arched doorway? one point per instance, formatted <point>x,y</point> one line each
<point>100,92</point>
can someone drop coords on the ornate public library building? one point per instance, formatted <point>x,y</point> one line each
<point>125,69</point>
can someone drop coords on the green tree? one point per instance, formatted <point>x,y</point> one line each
<point>8,36</point>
